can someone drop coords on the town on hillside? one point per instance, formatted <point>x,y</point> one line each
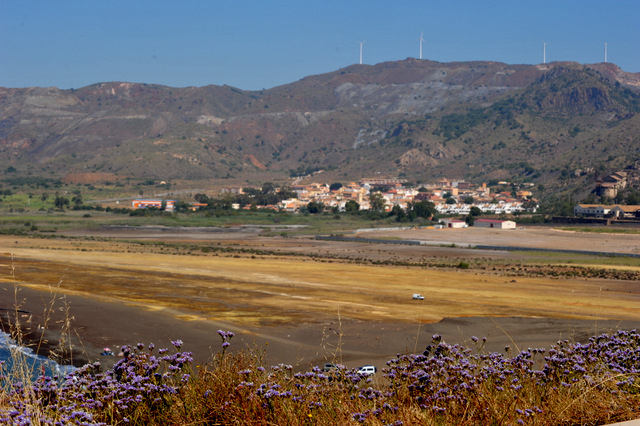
<point>449,197</point>
<point>446,197</point>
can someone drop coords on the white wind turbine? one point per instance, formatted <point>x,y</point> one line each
<point>605,52</point>
<point>544,52</point>
<point>361,43</point>
<point>421,40</point>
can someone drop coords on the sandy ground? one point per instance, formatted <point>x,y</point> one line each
<point>534,236</point>
<point>302,312</point>
<point>99,323</point>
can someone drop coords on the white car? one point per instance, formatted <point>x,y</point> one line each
<point>367,370</point>
<point>418,296</point>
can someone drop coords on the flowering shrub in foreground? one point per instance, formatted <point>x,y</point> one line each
<point>591,383</point>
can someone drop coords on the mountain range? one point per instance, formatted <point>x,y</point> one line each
<point>415,119</point>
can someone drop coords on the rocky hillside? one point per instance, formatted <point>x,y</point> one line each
<point>417,119</point>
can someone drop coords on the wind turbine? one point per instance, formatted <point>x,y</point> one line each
<point>544,52</point>
<point>421,40</point>
<point>605,52</point>
<point>361,43</point>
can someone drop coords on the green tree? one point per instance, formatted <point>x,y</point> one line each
<point>633,198</point>
<point>469,219</point>
<point>268,187</point>
<point>226,203</point>
<point>286,193</point>
<point>590,199</point>
<point>77,200</point>
<point>335,186</point>
<point>315,207</point>
<point>351,207</point>
<point>424,208</point>
<point>377,202</point>
<point>475,211</point>
<point>181,206</point>
<point>60,202</point>
<point>398,212</point>
<point>202,198</point>
<point>618,198</point>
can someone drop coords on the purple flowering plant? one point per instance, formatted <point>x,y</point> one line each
<point>570,383</point>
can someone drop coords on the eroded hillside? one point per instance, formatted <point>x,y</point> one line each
<point>417,119</point>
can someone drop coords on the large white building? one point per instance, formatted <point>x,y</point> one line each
<point>600,210</point>
<point>591,210</point>
<point>491,208</point>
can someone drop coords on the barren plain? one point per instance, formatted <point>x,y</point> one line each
<point>305,301</point>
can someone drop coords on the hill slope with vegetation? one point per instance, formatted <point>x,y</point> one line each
<point>415,119</point>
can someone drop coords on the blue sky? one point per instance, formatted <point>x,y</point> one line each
<point>256,44</point>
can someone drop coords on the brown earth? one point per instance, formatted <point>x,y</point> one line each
<point>534,237</point>
<point>90,178</point>
<point>310,303</point>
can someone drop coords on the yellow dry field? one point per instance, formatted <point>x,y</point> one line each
<point>277,289</point>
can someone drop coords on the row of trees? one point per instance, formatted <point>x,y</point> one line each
<point>420,209</point>
<point>270,195</point>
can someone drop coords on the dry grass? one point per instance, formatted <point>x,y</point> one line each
<point>265,290</point>
<point>252,290</point>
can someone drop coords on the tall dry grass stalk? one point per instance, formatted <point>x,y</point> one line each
<point>334,349</point>
<point>29,336</point>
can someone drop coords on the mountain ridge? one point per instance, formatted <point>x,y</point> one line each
<point>416,118</point>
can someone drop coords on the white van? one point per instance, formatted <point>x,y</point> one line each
<point>367,370</point>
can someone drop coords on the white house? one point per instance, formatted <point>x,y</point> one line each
<point>494,223</point>
<point>592,210</point>
<point>454,223</point>
<point>625,211</point>
<point>169,205</point>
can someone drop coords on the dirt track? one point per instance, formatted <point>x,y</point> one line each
<point>536,237</point>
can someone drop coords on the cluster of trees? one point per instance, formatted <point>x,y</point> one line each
<point>60,202</point>
<point>268,194</point>
<point>421,209</point>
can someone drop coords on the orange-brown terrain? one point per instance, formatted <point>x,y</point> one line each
<point>307,301</point>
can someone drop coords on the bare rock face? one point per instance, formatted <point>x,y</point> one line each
<point>415,157</point>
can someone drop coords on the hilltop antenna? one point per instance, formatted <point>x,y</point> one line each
<point>421,40</point>
<point>605,52</point>
<point>361,43</point>
<point>544,52</point>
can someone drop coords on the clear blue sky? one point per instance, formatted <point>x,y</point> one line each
<point>256,44</point>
